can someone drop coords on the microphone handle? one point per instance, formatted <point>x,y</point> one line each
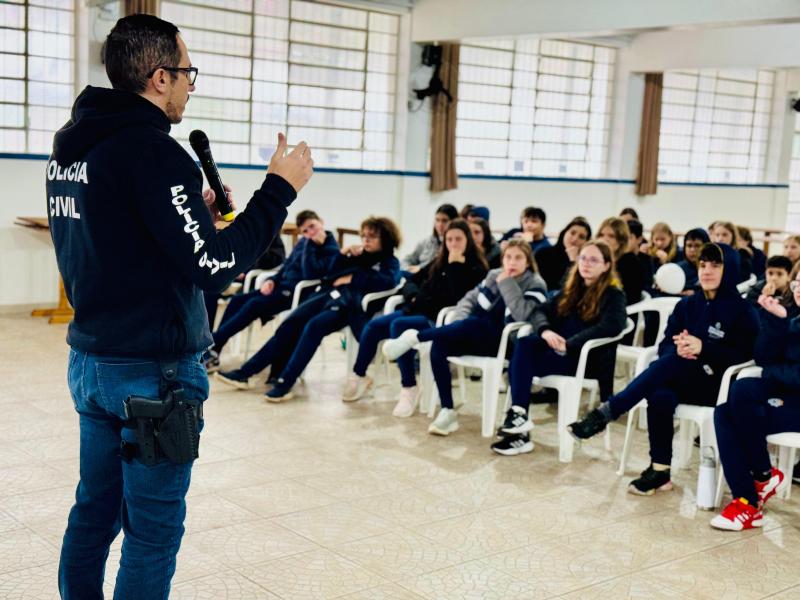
<point>215,182</point>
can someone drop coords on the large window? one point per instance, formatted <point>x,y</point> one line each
<point>322,73</point>
<point>534,107</point>
<point>715,126</point>
<point>793,209</point>
<point>37,72</point>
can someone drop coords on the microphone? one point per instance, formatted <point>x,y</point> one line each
<point>199,142</point>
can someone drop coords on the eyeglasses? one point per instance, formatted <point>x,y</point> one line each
<point>369,236</point>
<point>793,285</point>
<point>191,72</point>
<point>590,260</point>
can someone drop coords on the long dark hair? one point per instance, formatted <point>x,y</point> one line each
<point>580,222</point>
<point>472,254</point>
<point>583,299</point>
<point>488,239</point>
<point>446,209</point>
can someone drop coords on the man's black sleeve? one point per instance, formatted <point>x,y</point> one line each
<point>169,195</point>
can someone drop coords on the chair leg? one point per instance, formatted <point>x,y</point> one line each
<point>720,485</point>
<point>491,393</point>
<point>786,465</point>
<point>425,379</point>
<point>568,400</point>
<point>462,381</point>
<point>686,437</point>
<point>626,445</point>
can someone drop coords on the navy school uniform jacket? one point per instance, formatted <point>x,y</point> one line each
<point>727,325</point>
<point>610,321</point>
<point>134,240</point>
<point>778,351</point>
<point>308,260</point>
<point>371,271</point>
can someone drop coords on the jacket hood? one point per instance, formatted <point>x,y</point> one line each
<point>697,233</point>
<point>730,268</point>
<point>98,113</point>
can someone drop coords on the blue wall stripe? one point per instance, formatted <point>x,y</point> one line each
<point>5,155</point>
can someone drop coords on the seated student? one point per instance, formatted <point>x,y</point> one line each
<point>791,248</point>
<point>693,243</point>
<point>590,306</point>
<point>459,267</point>
<point>614,232</point>
<point>427,249</point>
<point>507,294</point>
<point>725,232</point>
<point>629,214</point>
<point>554,262</point>
<point>776,280</point>
<point>706,334</point>
<point>465,210</point>
<point>532,222</point>
<point>357,270</point>
<point>635,248</point>
<point>310,259</point>
<point>759,258</point>
<point>273,257</point>
<point>485,241</point>
<point>756,408</point>
<point>664,245</point>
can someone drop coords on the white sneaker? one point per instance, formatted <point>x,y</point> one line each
<point>356,387</point>
<point>445,423</point>
<point>395,348</point>
<point>407,402</point>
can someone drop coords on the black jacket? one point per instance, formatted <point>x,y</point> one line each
<point>633,277</point>
<point>445,288</point>
<point>553,263</point>
<point>778,351</point>
<point>727,325</point>
<point>610,321</point>
<point>134,240</point>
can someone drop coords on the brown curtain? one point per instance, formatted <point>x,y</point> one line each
<point>647,170</point>
<point>443,124</point>
<point>138,7</point>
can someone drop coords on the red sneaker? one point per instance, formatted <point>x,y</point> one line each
<point>738,515</point>
<point>766,489</point>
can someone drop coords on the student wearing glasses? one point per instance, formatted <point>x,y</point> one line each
<point>590,305</point>
<point>706,333</point>
<point>360,269</point>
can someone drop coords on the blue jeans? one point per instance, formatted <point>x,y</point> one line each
<point>389,326</point>
<point>147,503</point>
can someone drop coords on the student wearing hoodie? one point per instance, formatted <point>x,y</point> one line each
<point>506,295</point>
<point>693,243</point>
<point>458,268</point>
<point>591,305</point>
<point>706,334</point>
<point>554,262</point>
<point>356,271</point>
<point>136,247</point>
<point>311,258</point>
<point>756,408</point>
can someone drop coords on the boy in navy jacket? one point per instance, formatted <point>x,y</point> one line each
<point>706,334</point>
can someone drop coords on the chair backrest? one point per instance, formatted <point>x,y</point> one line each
<point>663,306</point>
<point>745,286</point>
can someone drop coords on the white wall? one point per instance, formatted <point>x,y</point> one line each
<point>28,271</point>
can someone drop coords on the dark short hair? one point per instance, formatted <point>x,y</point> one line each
<point>698,234</point>
<point>779,262</point>
<point>533,212</point>
<point>386,229</point>
<point>136,46</point>
<point>449,210</point>
<point>712,252</point>
<point>305,215</point>
<point>629,211</point>
<point>636,228</point>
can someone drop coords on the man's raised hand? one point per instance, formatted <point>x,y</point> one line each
<point>296,167</point>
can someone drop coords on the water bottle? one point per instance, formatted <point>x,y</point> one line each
<point>707,479</point>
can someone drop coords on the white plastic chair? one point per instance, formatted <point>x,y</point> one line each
<point>492,370</point>
<point>638,355</point>
<point>245,288</point>
<point>429,396</point>
<point>745,286</point>
<point>569,388</point>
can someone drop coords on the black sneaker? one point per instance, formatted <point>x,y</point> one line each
<point>513,445</point>
<point>650,482</point>
<point>234,378</point>
<point>211,360</point>
<point>517,421</point>
<point>589,426</point>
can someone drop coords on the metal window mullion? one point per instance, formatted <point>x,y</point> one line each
<point>26,97</point>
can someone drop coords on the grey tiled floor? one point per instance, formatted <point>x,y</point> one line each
<point>318,499</point>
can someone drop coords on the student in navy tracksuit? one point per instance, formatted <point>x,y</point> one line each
<point>591,305</point>
<point>693,243</point>
<point>757,407</point>
<point>311,258</point>
<point>358,270</point>
<point>706,334</point>
<point>458,267</point>
<point>507,294</point>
